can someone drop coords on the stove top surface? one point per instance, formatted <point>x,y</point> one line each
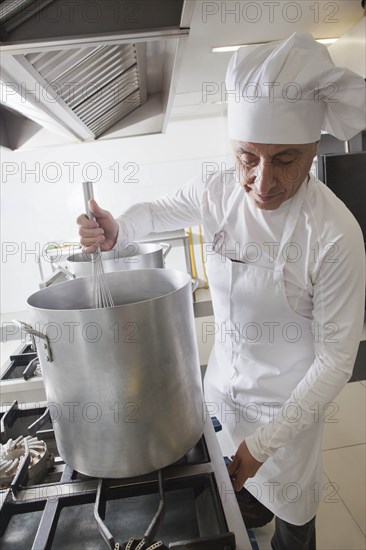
<point>189,504</point>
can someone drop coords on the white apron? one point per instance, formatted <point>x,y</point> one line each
<point>262,350</point>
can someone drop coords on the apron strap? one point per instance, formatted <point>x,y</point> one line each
<point>290,225</point>
<point>219,236</point>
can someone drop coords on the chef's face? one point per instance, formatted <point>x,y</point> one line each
<point>271,174</point>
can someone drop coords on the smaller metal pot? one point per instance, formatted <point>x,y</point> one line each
<point>131,256</point>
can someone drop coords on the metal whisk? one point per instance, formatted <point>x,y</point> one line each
<point>102,296</point>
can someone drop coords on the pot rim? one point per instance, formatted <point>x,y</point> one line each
<point>111,274</point>
<point>115,254</point>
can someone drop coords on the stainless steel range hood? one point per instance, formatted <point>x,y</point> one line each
<point>92,69</point>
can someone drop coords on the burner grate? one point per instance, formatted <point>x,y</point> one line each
<point>48,524</point>
<point>192,493</point>
<point>22,365</point>
<point>147,542</point>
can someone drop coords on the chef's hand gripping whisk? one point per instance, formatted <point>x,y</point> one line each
<point>102,296</point>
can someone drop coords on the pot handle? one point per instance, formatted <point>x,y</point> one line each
<point>64,270</point>
<point>167,247</point>
<point>53,277</point>
<point>195,285</point>
<point>28,329</point>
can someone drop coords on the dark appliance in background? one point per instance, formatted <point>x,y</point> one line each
<point>345,175</point>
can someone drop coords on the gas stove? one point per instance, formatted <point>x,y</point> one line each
<point>188,505</point>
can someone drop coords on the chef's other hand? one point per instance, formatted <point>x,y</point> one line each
<point>243,466</point>
<point>103,232</point>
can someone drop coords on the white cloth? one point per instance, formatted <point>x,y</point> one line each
<point>262,352</point>
<point>326,281</point>
<point>288,91</point>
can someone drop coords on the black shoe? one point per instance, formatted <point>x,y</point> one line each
<point>253,512</point>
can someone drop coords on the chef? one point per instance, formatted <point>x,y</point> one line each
<point>285,264</point>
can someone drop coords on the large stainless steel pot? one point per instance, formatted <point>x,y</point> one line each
<point>123,383</point>
<point>126,257</point>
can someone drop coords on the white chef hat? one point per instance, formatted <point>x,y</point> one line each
<point>288,91</point>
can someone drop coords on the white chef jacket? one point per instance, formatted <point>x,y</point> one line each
<point>324,276</point>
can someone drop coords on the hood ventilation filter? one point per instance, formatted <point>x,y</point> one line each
<point>100,85</point>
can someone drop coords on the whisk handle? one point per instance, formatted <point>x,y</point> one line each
<point>88,194</point>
